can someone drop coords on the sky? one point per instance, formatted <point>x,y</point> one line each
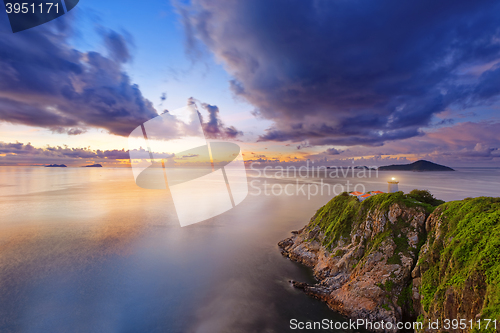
<point>330,81</point>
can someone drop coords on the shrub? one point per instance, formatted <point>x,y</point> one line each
<point>425,196</point>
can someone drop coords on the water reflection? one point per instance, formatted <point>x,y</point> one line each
<point>86,250</point>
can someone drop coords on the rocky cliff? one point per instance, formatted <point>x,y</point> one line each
<point>364,256</point>
<point>458,271</point>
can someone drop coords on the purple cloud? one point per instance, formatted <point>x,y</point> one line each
<point>214,128</point>
<point>351,72</point>
<point>18,152</point>
<point>332,151</point>
<point>45,82</point>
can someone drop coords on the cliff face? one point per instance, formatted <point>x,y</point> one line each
<point>458,271</point>
<point>387,259</point>
<point>362,254</point>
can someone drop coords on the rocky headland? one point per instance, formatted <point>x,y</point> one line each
<point>399,257</point>
<point>421,165</point>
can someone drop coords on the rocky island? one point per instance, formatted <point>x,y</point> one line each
<point>421,165</point>
<point>56,166</point>
<point>404,258</point>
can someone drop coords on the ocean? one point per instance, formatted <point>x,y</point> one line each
<point>86,250</point>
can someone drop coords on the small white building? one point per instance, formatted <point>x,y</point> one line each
<point>393,185</point>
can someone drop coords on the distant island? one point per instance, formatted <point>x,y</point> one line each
<point>56,166</point>
<point>420,165</point>
<point>93,166</point>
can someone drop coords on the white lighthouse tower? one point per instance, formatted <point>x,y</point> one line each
<point>393,185</point>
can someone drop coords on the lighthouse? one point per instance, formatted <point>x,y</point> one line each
<point>393,185</point>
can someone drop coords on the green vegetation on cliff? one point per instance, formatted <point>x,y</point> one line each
<point>382,234</point>
<point>463,257</point>
<point>430,260</point>
<point>344,212</point>
<point>425,197</point>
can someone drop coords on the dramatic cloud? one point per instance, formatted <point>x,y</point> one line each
<point>480,151</point>
<point>466,143</point>
<point>45,82</point>
<point>214,128</point>
<point>20,153</point>
<point>467,134</point>
<point>352,72</point>
<point>116,45</point>
<point>69,131</point>
<point>303,145</point>
<point>332,151</point>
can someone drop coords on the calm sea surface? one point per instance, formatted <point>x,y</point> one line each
<point>86,250</point>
